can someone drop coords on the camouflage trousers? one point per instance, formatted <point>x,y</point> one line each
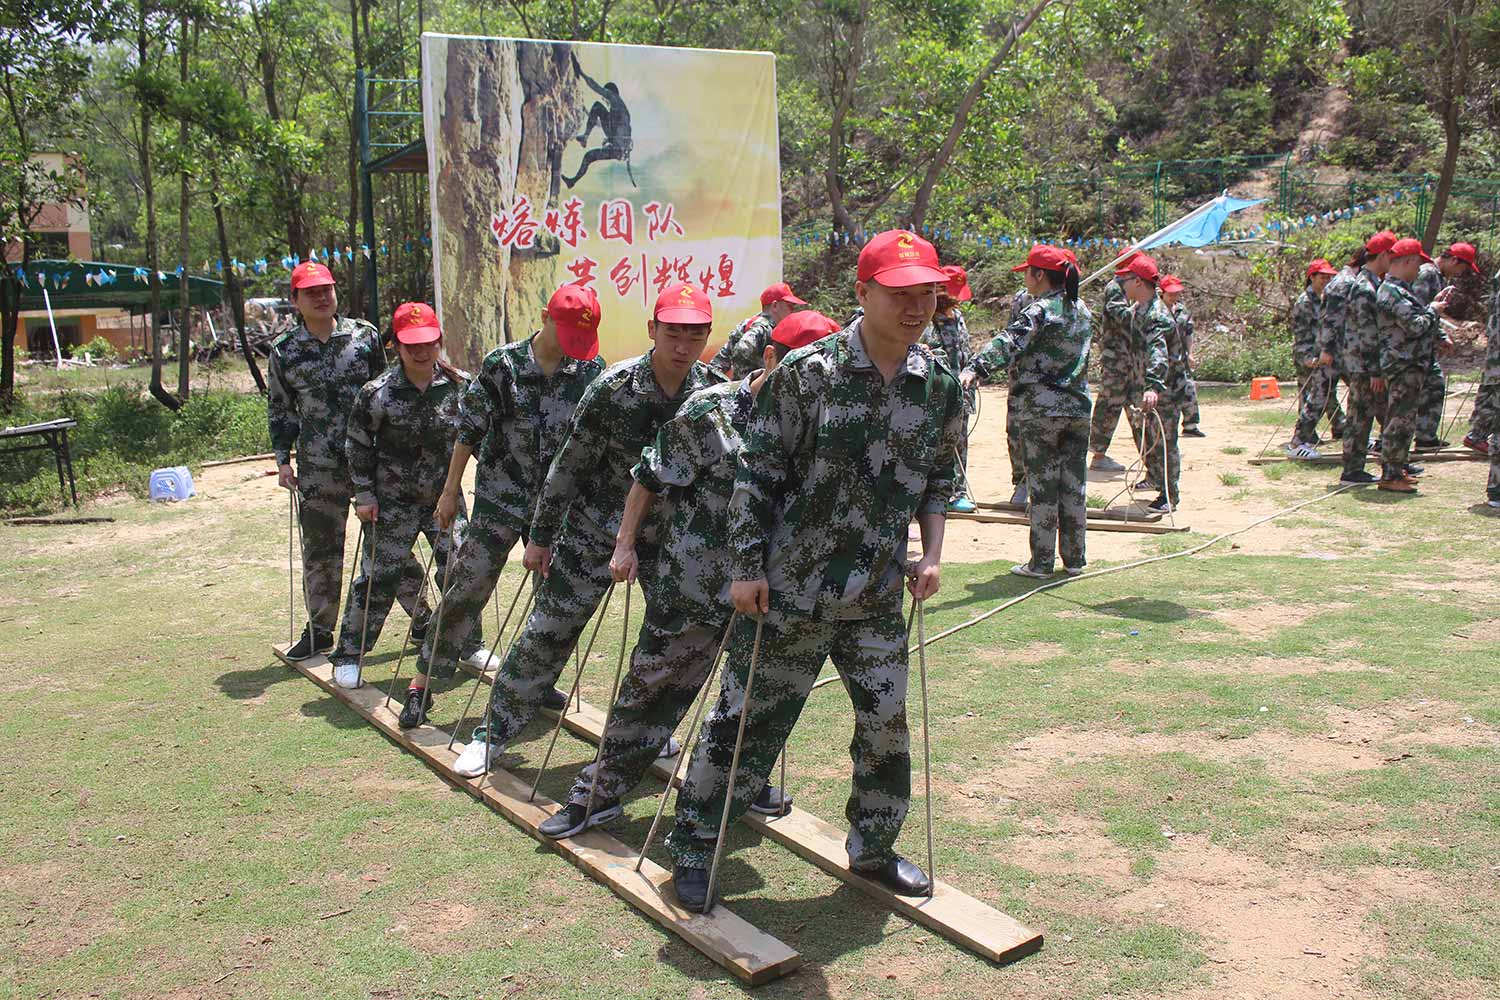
<point>1057,463</point>
<point>1159,448</point>
<point>1015,444</point>
<point>1365,407</point>
<point>1403,396</point>
<point>1484,419</point>
<point>323,497</point>
<point>870,656</point>
<point>1190,413</point>
<point>668,667</point>
<point>387,566</point>
<point>1120,386</point>
<point>476,569</point>
<point>1429,416</point>
<point>1319,394</point>
<point>1492,488</point>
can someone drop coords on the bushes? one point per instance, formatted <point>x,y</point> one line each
<point>122,435</point>
<point>101,350</point>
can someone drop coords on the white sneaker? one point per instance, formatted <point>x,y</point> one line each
<point>1296,449</point>
<point>670,749</point>
<point>1026,569</point>
<point>1492,503</point>
<point>472,763</point>
<point>346,676</point>
<point>483,659</point>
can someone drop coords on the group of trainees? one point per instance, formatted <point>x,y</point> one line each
<point>775,505</point>
<point>1380,326</point>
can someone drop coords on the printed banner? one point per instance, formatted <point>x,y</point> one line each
<point>625,168</point>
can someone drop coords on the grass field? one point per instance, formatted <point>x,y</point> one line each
<point>1269,770</point>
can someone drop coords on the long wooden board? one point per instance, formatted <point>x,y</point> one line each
<point>1136,527</point>
<point>750,954</point>
<point>1334,457</point>
<point>1112,514</point>
<point>950,912</point>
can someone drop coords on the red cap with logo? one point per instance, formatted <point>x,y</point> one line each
<point>802,328</point>
<point>1409,247</point>
<point>1140,266</point>
<point>310,274</point>
<point>899,259</point>
<point>683,304</point>
<point>1320,266</point>
<point>957,287</point>
<point>574,311</point>
<point>1047,257</point>
<point>1171,283</point>
<point>1380,242</point>
<point>415,323</point>
<point>1464,252</point>
<point>779,292</point>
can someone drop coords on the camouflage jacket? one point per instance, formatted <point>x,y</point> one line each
<point>1307,322</point>
<point>618,415</point>
<point>1184,321</point>
<point>746,345</point>
<point>1408,329</point>
<point>400,438</point>
<point>1018,304</point>
<point>948,336</point>
<point>1429,282</point>
<point>1152,333</point>
<point>1492,336</point>
<point>312,385</point>
<point>691,467</point>
<point>1362,338</point>
<point>1333,315</point>
<point>516,418</point>
<point>835,464</point>
<point>1114,320</point>
<point>1047,351</point>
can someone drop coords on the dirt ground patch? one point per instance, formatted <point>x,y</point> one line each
<point>435,926</point>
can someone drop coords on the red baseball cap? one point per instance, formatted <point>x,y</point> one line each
<point>779,292</point>
<point>683,304</point>
<point>1380,242</point>
<point>1409,247</point>
<point>802,328</point>
<point>415,323</point>
<point>1171,283</point>
<point>957,287</point>
<point>575,313</point>
<point>310,274</point>
<point>898,259</point>
<point>1141,266</point>
<point>1464,252</point>
<point>1046,257</point>
<point>1320,266</point>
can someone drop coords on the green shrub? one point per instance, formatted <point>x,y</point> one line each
<point>101,350</point>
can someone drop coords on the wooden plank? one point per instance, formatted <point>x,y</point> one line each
<point>1337,458</point>
<point>1136,527</point>
<point>950,912</point>
<point>1111,514</point>
<point>751,954</point>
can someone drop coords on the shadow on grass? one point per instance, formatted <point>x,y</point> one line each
<point>1144,609</point>
<point>246,685</point>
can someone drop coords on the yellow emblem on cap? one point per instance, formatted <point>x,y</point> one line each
<point>904,240</point>
<point>586,316</point>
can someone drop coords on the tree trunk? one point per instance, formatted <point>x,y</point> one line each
<point>10,321</point>
<point>1453,77</point>
<point>833,172</point>
<point>971,97</point>
<point>153,257</point>
<point>236,293</point>
<point>184,313</point>
<point>355,300</point>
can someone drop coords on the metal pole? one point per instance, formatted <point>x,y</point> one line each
<point>367,196</point>
<point>926,740</point>
<point>52,322</point>
<point>734,767</point>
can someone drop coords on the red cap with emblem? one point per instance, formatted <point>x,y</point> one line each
<point>1380,242</point>
<point>1464,252</point>
<point>779,292</point>
<point>1140,266</point>
<point>1046,257</point>
<point>415,323</point>
<point>957,287</point>
<point>1171,283</point>
<point>1320,266</point>
<point>802,328</point>
<point>574,311</point>
<point>683,304</point>
<point>310,274</point>
<point>898,259</point>
<point>1408,247</point>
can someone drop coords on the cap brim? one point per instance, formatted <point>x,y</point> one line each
<point>1473,267</point>
<point>791,299</point>
<point>419,335</point>
<point>1023,266</point>
<point>314,283</point>
<point>683,314</point>
<point>906,275</point>
<point>964,294</point>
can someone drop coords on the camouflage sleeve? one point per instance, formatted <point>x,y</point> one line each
<point>942,482</point>
<point>1363,316</point>
<point>1417,320</point>
<point>281,411</point>
<point>1158,331</point>
<point>377,352</point>
<point>1116,306</point>
<point>476,407</point>
<point>745,356</point>
<point>965,348</point>
<point>1005,345</point>
<point>359,445</point>
<point>675,458</point>
<point>1305,329</point>
<point>776,429</point>
<point>723,360</point>
<point>1331,318</point>
<point>1185,329</point>
<point>581,451</point>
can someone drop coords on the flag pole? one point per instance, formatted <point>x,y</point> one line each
<point>1109,268</point>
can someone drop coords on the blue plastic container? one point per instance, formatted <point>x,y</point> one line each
<point>172,484</point>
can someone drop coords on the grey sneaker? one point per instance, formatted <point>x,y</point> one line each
<point>1103,463</point>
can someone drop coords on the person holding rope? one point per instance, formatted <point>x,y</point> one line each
<point>399,438</point>
<point>1433,285</point>
<point>1358,341</point>
<point>1318,382</point>
<point>1015,445</point>
<point>948,336</point>
<point>1409,333</point>
<point>581,505</point>
<point>852,437</point>
<point>1153,339</point>
<point>1171,297</point>
<point>515,413</point>
<point>692,465</point>
<point>1047,351</point>
<point>315,371</point>
<point>742,352</point>
<point>1119,376</point>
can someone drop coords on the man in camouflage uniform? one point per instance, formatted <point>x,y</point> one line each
<point>1120,377</point>
<point>315,371</point>
<point>747,342</point>
<point>851,437</point>
<point>1189,407</point>
<point>1359,352</point>
<point>1487,402</point>
<point>399,438</point>
<point>1317,382</point>
<point>515,413</point>
<point>1408,334</point>
<point>948,336</point>
<point>1047,351</point>
<point>1430,287</point>
<point>691,465</point>
<point>580,508</point>
<point>1152,336</point>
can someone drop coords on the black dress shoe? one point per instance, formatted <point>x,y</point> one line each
<point>414,712</point>
<point>901,876</point>
<point>312,642</point>
<point>555,700</point>
<point>691,885</point>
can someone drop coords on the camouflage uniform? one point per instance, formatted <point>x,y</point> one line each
<point>1485,420</point>
<point>310,390</point>
<point>399,442</point>
<point>746,346</point>
<point>1154,338</point>
<point>1408,329</point>
<point>1318,383</point>
<point>577,516</point>
<point>1359,359</point>
<point>1429,422</point>
<point>515,417</point>
<point>948,336</point>
<point>1184,321</point>
<point>1015,444</point>
<point>691,468</point>
<point>1119,369</point>
<point>835,464</point>
<point>1047,349</point>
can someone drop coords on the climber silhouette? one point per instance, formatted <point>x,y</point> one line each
<point>613,119</point>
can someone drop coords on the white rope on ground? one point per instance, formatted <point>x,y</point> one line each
<point>1053,584</point>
